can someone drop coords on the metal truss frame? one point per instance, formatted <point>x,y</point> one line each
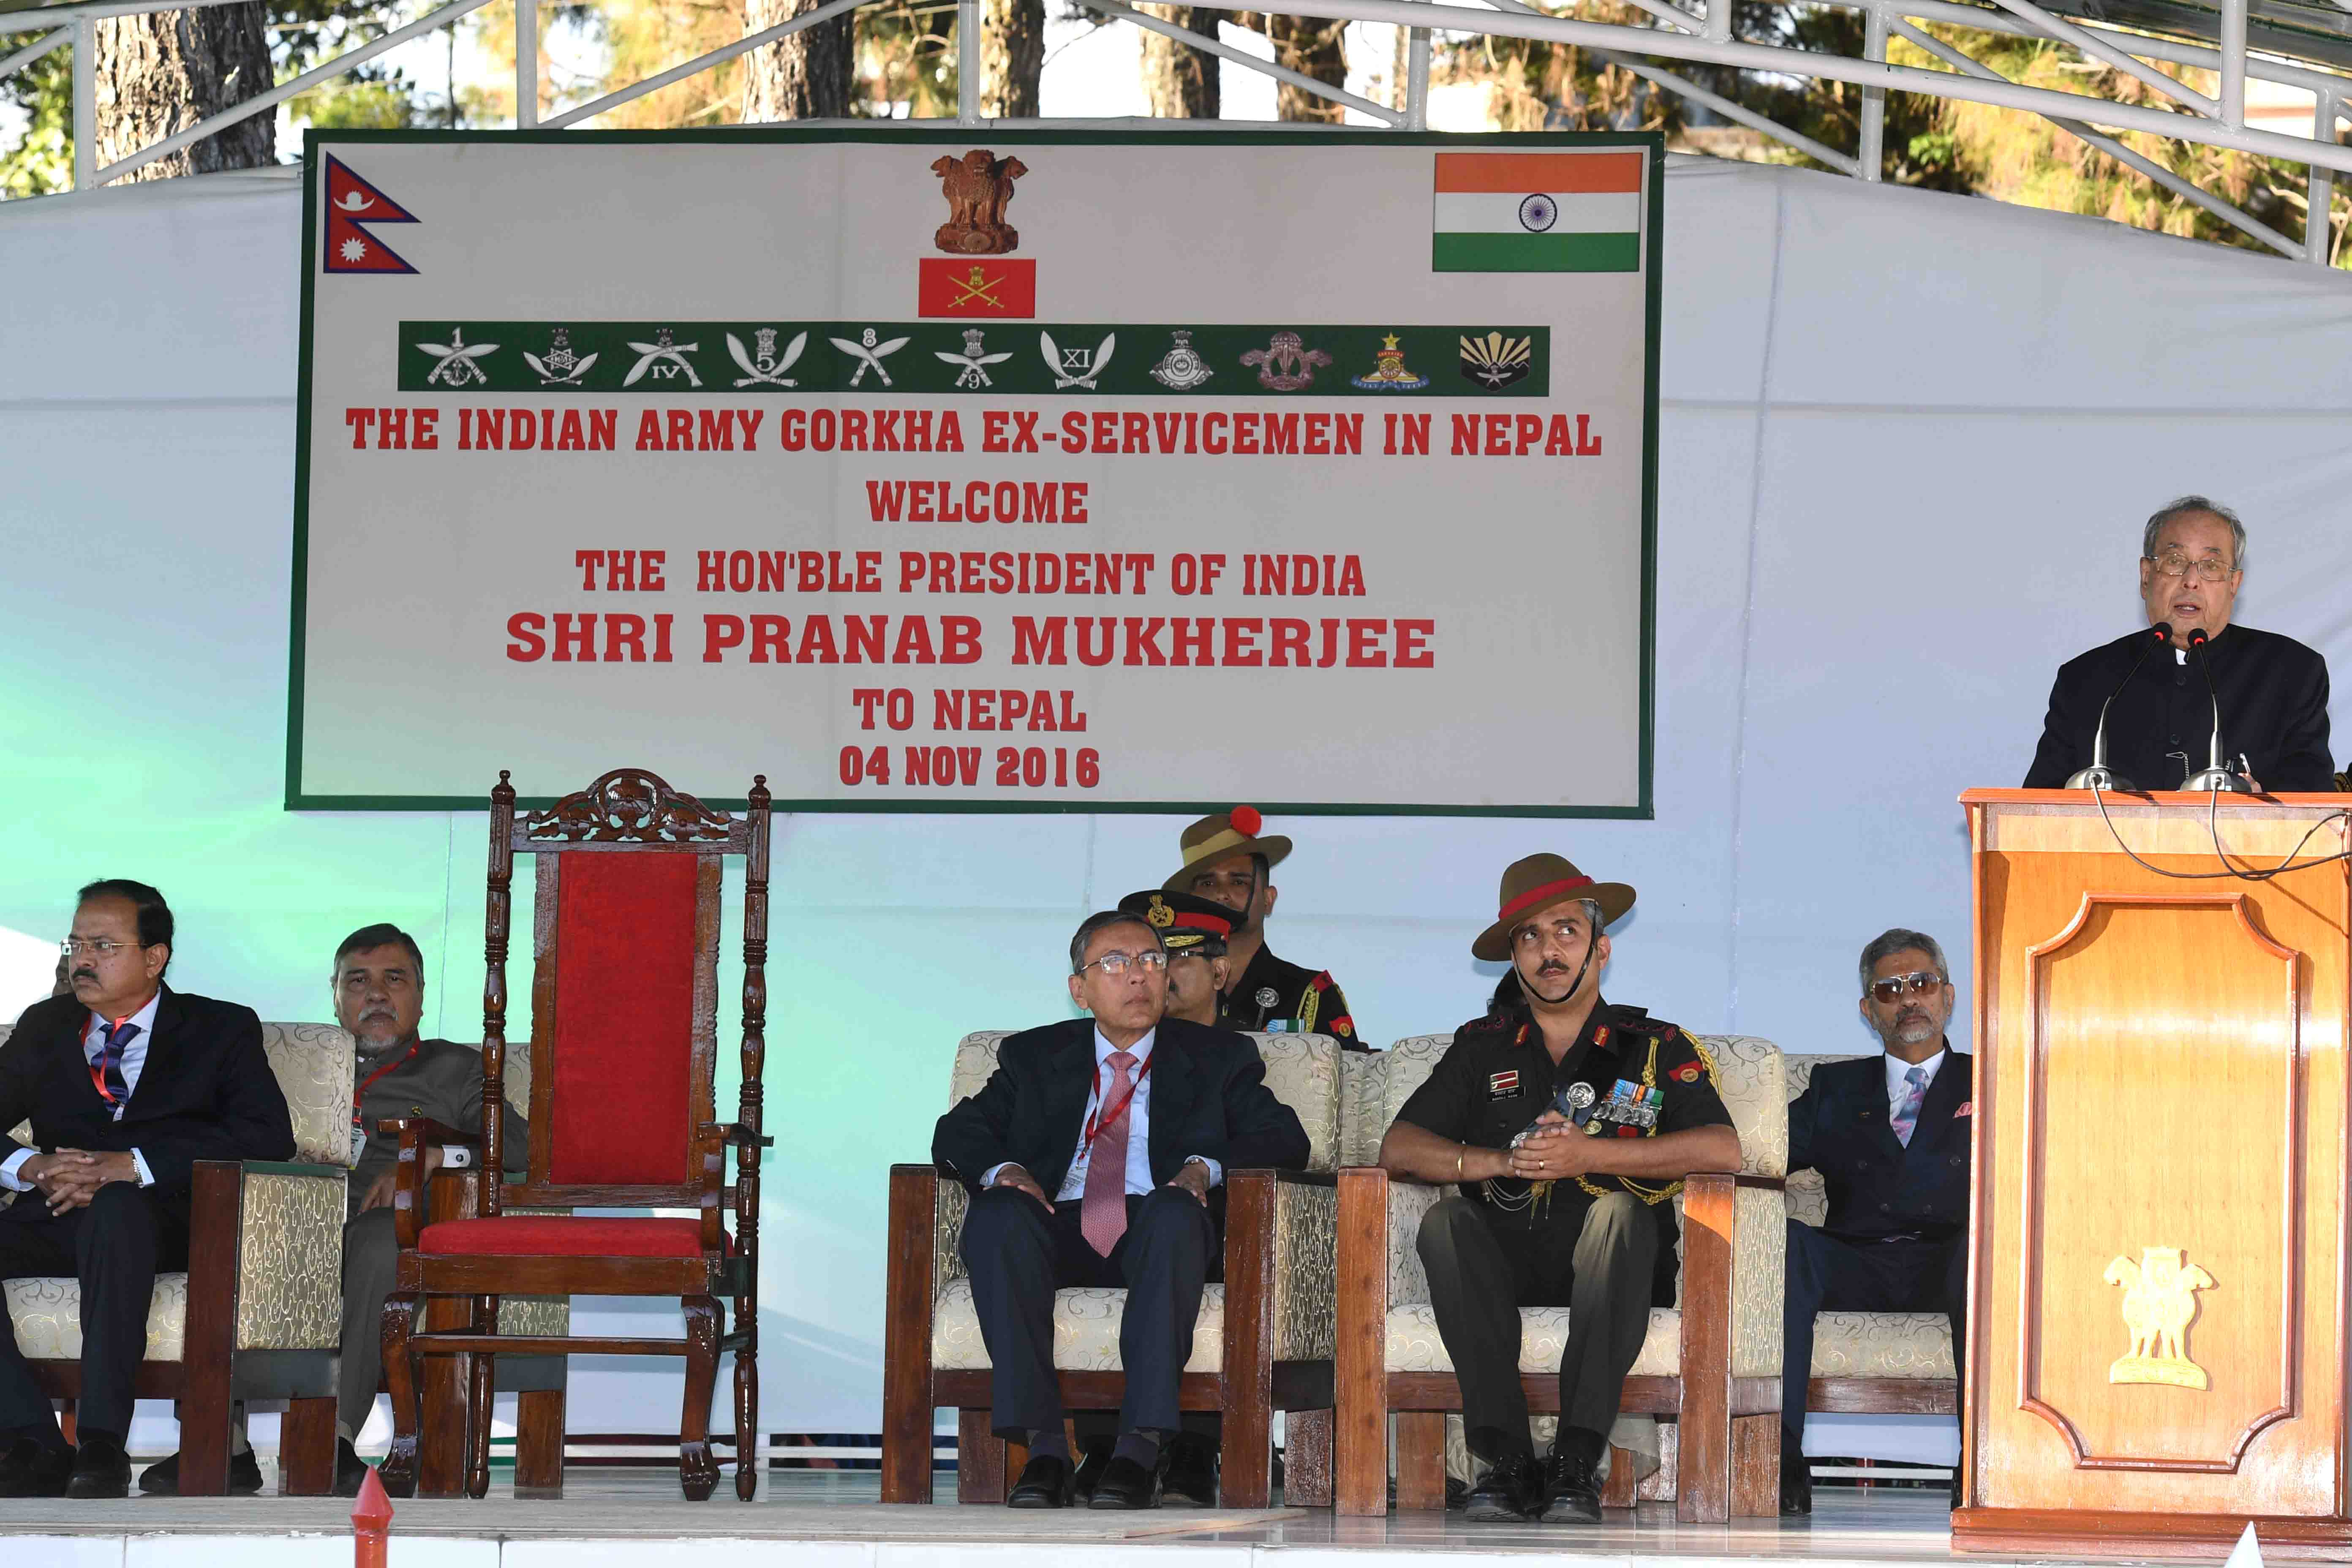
<point>1679,33</point>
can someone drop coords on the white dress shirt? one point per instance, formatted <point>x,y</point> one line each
<point>1138,1127</point>
<point>133,1062</point>
<point>1899,1089</point>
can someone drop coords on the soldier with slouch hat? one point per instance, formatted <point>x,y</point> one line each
<point>1227,857</point>
<point>1566,1125</point>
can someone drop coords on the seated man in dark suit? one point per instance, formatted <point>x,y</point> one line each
<point>128,1084</point>
<point>1890,1136</point>
<point>1095,1153</point>
<point>379,996</point>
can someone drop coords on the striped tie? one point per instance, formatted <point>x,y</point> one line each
<point>1102,1213</point>
<point>115,1038</point>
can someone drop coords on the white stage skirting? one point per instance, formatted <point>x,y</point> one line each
<point>1908,440</point>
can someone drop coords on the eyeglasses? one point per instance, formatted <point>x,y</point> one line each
<point>1115,964</point>
<point>2179,563</point>
<point>1893,985</point>
<point>104,947</point>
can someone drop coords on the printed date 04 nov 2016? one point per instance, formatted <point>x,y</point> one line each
<point>962,767</point>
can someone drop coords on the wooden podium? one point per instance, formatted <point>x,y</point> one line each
<point>2158,1297</point>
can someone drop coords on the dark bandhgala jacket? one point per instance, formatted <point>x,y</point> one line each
<point>1208,1097</point>
<point>1877,1185</point>
<point>2273,697</point>
<point>444,1082</point>
<point>205,1093</point>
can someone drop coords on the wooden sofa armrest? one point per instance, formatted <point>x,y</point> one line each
<point>910,1293</point>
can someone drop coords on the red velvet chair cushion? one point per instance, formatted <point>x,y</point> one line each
<point>554,1235</point>
<point>625,961</point>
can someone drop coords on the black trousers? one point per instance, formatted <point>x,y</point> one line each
<point>1828,1274</point>
<point>115,1245</point>
<point>1019,1255</point>
<point>1597,1257</point>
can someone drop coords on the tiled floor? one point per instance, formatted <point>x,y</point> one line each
<point>1884,1526</point>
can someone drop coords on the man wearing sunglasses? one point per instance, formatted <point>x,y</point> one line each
<point>2272,690</point>
<point>1095,1156</point>
<point>1889,1135</point>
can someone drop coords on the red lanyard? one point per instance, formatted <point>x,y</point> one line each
<point>1097,1123</point>
<point>106,1056</point>
<point>368,1082</point>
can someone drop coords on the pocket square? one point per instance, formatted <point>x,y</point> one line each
<point>1968,1108</point>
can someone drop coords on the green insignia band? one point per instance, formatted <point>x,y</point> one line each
<point>1485,360</point>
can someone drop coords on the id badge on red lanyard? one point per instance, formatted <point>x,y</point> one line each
<point>1100,1119</point>
<point>107,1057</point>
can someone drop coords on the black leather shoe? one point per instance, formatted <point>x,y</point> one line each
<point>1508,1493</point>
<point>101,1469</point>
<point>1128,1485</point>
<point>1190,1473</point>
<point>350,1471</point>
<point>162,1478</point>
<point>1091,1468</point>
<point>1572,1494</point>
<point>1796,1479</point>
<point>29,1470</point>
<point>1045,1482</point>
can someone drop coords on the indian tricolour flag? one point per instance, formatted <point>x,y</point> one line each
<point>1539,211</point>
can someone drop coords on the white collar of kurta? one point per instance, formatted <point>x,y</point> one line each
<point>1897,1070</point>
<point>144,1017</point>
<point>1141,1050</point>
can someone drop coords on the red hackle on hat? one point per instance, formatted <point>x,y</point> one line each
<point>1245,820</point>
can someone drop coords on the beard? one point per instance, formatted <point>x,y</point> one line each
<point>1916,1029</point>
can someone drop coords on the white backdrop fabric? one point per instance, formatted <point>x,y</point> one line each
<point>1908,442</point>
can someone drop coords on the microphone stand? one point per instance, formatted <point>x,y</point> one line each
<point>2216,778</point>
<point>2098,775</point>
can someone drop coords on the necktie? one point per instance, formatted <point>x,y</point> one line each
<point>1102,1213</point>
<point>1906,1116</point>
<point>108,1067</point>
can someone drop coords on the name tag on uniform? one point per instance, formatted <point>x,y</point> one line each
<point>1504,1085</point>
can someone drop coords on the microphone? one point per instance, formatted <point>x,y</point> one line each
<point>2098,775</point>
<point>2216,778</point>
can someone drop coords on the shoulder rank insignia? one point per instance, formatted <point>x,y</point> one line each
<point>1343,1027</point>
<point>1686,1073</point>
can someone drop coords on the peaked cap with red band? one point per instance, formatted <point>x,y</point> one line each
<point>1185,924</point>
<point>1212,838</point>
<point>1534,885</point>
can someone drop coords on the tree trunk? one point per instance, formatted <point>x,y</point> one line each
<point>1311,45</point>
<point>163,72</point>
<point>804,77</point>
<point>1013,55</point>
<point>1180,80</point>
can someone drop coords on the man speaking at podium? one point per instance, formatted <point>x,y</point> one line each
<point>2271,691</point>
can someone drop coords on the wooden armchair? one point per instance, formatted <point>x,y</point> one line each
<point>258,1314</point>
<point>1711,1363</point>
<point>1263,1342</point>
<point>623,1049</point>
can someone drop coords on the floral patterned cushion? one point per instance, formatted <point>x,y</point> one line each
<point>1413,1345</point>
<point>1086,1330</point>
<point>1883,1344</point>
<point>46,1317</point>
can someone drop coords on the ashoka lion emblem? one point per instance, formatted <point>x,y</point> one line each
<point>978,186</point>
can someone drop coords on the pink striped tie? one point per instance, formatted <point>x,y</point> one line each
<point>1102,1213</point>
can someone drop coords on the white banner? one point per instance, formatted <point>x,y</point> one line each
<point>967,469</point>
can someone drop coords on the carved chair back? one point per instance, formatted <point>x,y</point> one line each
<point>625,988</point>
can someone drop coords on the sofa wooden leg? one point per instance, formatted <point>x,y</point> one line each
<point>1245,1470</point>
<point>1306,1458</point>
<point>981,1470</point>
<point>538,1443</point>
<point>1756,1467</point>
<point>1420,1459</point>
<point>1617,1491</point>
<point>306,1448</point>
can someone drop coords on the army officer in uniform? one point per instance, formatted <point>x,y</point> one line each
<point>1566,1125</point>
<point>1227,860</point>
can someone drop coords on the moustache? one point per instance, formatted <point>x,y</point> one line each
<point>85,974</point>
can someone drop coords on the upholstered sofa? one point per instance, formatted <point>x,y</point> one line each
<point>257,1313</point>
<point>1873,1363</point>
<point>1710,1364</point>
<point>1263,1341</point>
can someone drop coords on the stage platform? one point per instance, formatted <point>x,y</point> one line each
<point>635,1518</point>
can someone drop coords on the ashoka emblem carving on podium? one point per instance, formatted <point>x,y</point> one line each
<point>2160,1302</point>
